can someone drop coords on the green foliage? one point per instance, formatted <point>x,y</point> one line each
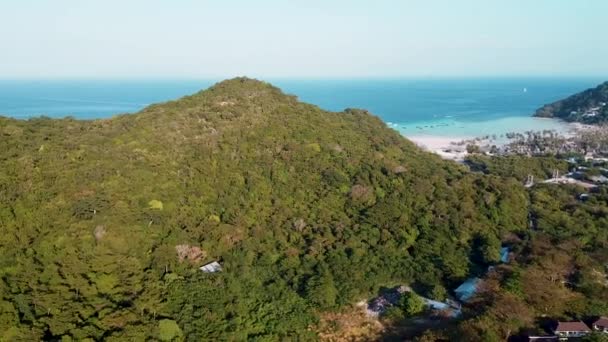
<point>489,249</point>
<point>438,292</point>
<point>393,314</point>
<point>411,303</point>
<point>576,106</point>
<point>155,204</point>
<point>513,283</point>
<point>559,270</point>
<point>239,307</point>
<point>106,282</point>
<point>307,210</point>
<point>168,330</point>
<point>559,213</point>
<point>518,167</point>
<point>595,337</point>
<point>321,290</point>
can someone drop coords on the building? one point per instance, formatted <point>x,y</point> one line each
<point>378,306</point>
<point>576,175</point>
<point>387,298</point>
<point>504,254</point>
<point>601,324</point>
<point>466,290</point>
<point>211,267</point>
<point>542,338</point>
<point>566,330</point>
<point>599,179</point>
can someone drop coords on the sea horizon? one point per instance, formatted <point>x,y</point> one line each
<point>442,107</point>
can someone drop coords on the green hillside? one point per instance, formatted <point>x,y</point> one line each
<point>105,223</point>
<point>589,106</point>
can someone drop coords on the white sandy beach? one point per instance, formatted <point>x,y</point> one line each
<point>433,143</point>
<point>444,146</point>
<point>443,140</point>
<point>448,147</point>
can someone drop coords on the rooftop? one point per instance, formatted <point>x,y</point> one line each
<point>467,289</point>
<point>211,267</point>
<point>572,326</point>
<point>602,322</point>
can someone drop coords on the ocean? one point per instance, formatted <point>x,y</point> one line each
<point>434,107</point>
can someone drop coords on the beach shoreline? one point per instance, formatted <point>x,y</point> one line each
<point>446,147</point>
<point>454,147</point>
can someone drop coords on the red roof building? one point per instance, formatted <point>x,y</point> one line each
<point>601,324</point>
<point>571,329</point>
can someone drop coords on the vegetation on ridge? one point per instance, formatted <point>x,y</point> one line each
<point>105,224</point>
<point>588,106</point>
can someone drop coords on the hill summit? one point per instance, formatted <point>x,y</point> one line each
<point>589,106</point>
<point>106,223</point>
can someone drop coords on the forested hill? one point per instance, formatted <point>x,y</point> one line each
<point>105,223</point>
<point>589,106</point>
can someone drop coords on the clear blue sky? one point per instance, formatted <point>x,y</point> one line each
<point>313,38</point>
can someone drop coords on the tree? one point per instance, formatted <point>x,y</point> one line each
<point>393,314</point>
<point>411,303</point>
<point>168,330</point>
<point>490,249</point>
<point>438,292</point>
<point>473,148</point>
<point>595,337</point>
<point>321,290</point>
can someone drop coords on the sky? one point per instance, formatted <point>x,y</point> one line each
<point>42,39</point>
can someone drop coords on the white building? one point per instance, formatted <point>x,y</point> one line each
<point>211,267</point>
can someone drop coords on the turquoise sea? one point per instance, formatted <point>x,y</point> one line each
<point>436,107</point>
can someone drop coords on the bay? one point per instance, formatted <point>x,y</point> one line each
<point>435,107</point>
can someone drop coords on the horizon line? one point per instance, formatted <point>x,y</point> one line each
<point>303,78</point>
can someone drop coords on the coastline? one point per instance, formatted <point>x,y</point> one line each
<point>451,145</point>
<point>446,147</point>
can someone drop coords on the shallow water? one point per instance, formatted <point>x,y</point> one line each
<point>470,129</point>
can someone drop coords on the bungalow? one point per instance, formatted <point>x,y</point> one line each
<point>466,290</point>
<point>566,330</point>
<point>434,304</point>
<point>599,179</point>
<point>378,306</point>
<point>211,267</point>
<point>387,298</point>
<point>576,175</point>
<point>504,254</point>
<point>601,324</point>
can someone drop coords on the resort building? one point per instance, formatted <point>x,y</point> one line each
<point>211,267</point>
<point>601,324</point>
<point>466,290</point>
<point>566,330</point>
